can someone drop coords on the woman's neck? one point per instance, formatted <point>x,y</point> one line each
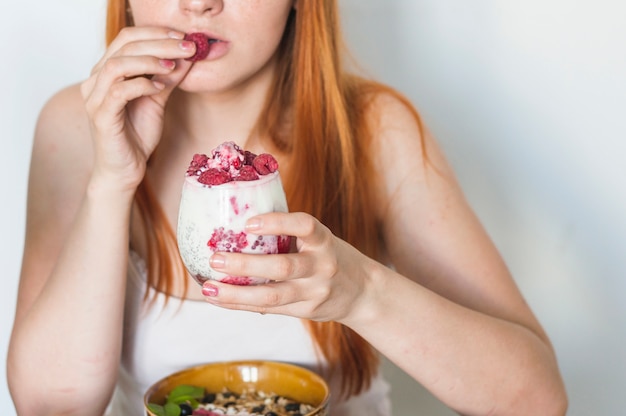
<point>208,118</point>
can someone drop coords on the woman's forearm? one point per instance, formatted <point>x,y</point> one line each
<point>475,363</point>
<point>65,348</point>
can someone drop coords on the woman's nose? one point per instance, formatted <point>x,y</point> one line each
<point>202,6</point>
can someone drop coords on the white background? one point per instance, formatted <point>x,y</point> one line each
<point>528,100</point>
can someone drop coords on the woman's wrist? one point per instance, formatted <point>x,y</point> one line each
<point>110,190</point>
<point>366,309</point>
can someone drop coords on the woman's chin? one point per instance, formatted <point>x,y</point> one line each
<point>200,81</point>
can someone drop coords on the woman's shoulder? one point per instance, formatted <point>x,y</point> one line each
<point>402,148</point>
<point>392,120</point>
<point>62,129</point>
<point>63,112</point>
<point>385,109</point>
<point>62,150</point>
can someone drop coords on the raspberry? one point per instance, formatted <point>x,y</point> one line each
<point>228,241</point>
<point>239,281</point>
<point>284,244</point>
<point>248,157</point>
<point>265,164</point>
<point>197,164</point>
<point>214,177</point>
<point>202,46</point>
<point>247,173</point>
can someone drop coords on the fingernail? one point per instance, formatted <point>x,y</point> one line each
<point>217,261</point>
<point>209,290</point>
<point>187,45</point>
<point>158,85</point>
<point>254,224</point>
<point>176,35</point>
<point>167,63</point>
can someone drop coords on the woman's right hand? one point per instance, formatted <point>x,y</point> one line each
<point>125,98</point>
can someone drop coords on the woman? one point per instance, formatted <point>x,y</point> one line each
<point>389,257</point>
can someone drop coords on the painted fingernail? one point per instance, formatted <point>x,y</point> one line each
<point>187,45</point>
<point>167,63</point>
<point>254,224</point>
<point>217,261</point>
<point>209,290</point>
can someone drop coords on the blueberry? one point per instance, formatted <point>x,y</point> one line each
<point>185,409</point>
<point>209,398</point>
<point>292,407</point>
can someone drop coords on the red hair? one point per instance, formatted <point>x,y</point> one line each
<point>315,117</point>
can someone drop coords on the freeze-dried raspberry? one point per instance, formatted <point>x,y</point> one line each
<point>214,177</point>
<point>227,240</point>
<point>248,157</point>
<point>265,164</point>
<point>247,173</point>
<point>205,412</point>
<point>202,46</point>
<point>198,162</point>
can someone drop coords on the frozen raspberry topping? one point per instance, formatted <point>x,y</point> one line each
<point>214,176</point>
<point>247,173</point>
<point>229,162</point>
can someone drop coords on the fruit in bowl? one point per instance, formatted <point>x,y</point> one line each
<point>239,388</point>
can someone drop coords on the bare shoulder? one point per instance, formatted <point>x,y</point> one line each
<point>60,165</point>
<point>430,231</point>
<point>62,148</point>
<point>63,118</point>
<point>405,152</point>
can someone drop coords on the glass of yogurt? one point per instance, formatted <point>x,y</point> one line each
<point>220,193</point>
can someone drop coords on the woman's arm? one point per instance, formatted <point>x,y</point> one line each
<point>89,156</point>
<point>464,330</point>
<point>66,341</point>
<point>448,313</point>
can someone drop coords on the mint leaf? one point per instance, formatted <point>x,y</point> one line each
<point>157,409</point>
<point>172,409</point>
<point>184,393</point>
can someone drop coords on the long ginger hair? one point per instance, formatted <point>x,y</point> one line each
<point>315,116</point>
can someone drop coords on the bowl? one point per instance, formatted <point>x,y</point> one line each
<point>287,380</point>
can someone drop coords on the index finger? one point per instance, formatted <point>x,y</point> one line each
<point>301,225</point>
<point>134,34</point>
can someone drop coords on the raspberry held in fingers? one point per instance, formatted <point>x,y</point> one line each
<point>202,46</point>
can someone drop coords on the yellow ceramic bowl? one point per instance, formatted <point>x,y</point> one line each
<point>287,380</point>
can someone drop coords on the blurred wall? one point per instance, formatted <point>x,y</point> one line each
<point>527,99</point>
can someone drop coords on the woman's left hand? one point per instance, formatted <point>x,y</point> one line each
<point>324,280</point>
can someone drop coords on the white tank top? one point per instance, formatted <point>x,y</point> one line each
<point>167,337</point>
